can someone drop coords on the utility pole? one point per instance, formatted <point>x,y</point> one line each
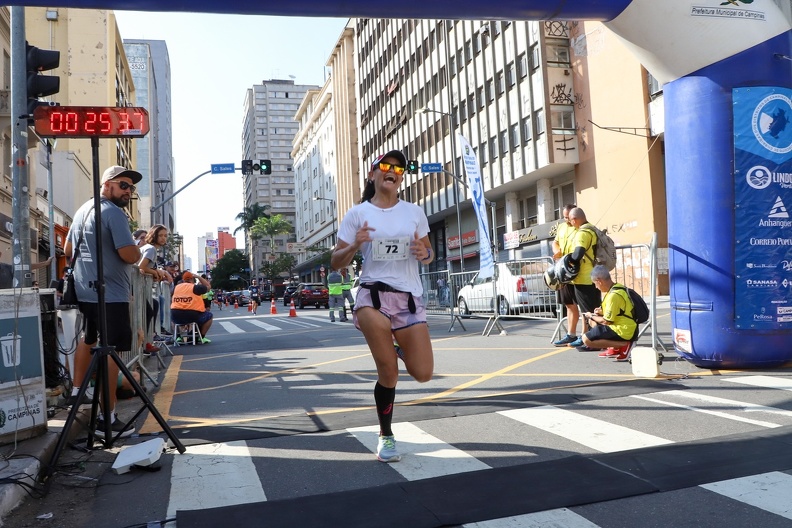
<point>20,245</point>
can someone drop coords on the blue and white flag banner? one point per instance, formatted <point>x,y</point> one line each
<point>487,264</point>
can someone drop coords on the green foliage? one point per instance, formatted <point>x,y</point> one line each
<point>249,215</point>
<point>271,227</point>
<point>283,264</point>
<point>230,264</point>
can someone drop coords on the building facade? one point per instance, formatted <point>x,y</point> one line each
<point>149,64</point>
<point>267,133</point>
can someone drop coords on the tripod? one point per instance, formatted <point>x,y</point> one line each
<point>101,355</point>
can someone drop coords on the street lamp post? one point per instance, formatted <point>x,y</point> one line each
<point>427,110</point>
<point>162,185</point>
<point>332,207</point>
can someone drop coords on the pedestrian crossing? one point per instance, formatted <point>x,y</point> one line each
<point>462,444</point>
<point>240,325</point>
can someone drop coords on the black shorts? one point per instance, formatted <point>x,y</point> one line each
<point>587,297</point>
<point>256,299</point>
<point>119,327</point>
<point>566,295</point>
<point>606,332</point>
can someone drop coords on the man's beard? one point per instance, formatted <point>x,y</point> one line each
<point>120,201</point>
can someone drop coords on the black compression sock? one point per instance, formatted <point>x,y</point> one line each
<point>384,397</point>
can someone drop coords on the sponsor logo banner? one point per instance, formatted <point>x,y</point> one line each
<point>762,196</point>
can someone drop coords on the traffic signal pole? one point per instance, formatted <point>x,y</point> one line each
<point>20,245</point>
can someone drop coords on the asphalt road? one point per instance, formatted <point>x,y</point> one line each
<point>277,411</point>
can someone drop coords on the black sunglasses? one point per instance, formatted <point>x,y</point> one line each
<point>124,185</point>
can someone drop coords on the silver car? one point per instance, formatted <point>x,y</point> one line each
<point>520,289</point>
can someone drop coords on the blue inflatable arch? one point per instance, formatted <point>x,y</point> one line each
<point>726,66</point>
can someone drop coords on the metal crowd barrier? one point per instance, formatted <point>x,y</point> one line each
<point>636,268</point>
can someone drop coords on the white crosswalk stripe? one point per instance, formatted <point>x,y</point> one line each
<point>760,423</point>
<point>423,455</point>
<point>767,382</point>
<point>769,491</point>
<point>596,434</point>
<point>560,518</point>
<point>213,475</point>
<point>266,326</point>
<point>231,328</point>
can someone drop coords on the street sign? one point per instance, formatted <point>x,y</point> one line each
<point>272,258</point>
<point>431,167</point>
<point>294,247</point>
<point>223,168</point>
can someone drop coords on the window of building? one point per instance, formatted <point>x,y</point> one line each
<point>477,43</point>
<point>539,122</point>
<point>500,82</point>
<point>482,153</point>
<point>468,51</point>
<point>482,100</point>
<point>514,133</point>
<point>562,117</point>
<point>490,91</point>
<point>558,55</point>
<point>562,194</point>
<point>462,111</point>
<point>511,75</point>
<point>535,59</point>
<point>504,142</point>
<point>493,150</point>
<point>528,212</point>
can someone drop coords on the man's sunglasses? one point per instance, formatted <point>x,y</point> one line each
<point>124,185</point>
<point>385,167</point>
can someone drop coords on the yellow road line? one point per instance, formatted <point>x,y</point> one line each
<point>164,396</point>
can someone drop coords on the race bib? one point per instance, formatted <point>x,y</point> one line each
<point>391,248</point>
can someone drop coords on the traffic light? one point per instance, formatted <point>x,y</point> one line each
<point>39,60</point>
<point>247,166</point>
<point>412,166</point>
<point>265,166</point>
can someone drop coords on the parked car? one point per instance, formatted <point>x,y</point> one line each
<point>520,287</point>
<point>240,297</point>
<point>311,294</point>
<point>287,294</point>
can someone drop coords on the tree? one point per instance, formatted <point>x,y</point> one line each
<point>283,264</point>
<point>228,265</point>
<point>249,215</point>
<point>271,227</point>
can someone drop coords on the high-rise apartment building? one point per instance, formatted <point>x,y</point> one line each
<point>225,241</point>
<point>267,133</point>
<point>149,64</point>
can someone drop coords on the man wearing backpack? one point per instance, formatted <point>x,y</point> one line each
<point>613,325</point>
<point>562,246</point>
<point>587,296</point>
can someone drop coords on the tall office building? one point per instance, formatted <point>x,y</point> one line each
<point>267,133</point>
<point>535,102</point>
<point>149,64</point>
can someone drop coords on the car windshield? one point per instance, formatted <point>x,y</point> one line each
<point>314,287</point>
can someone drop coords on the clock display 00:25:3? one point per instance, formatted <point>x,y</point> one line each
<point>91,121</point>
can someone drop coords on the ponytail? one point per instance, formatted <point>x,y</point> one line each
<point>368,191</point>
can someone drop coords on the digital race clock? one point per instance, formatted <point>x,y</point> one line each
<point>91,121</point>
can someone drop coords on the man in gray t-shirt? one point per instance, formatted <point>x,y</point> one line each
<point>119,253</point>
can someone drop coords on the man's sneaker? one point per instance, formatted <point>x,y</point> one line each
<point>611,352</point>
<point>87,399</point>
<point>164,332</point>
<point>566,340</point>
<point>399,351</point>
<point>205,341</point>
<point>577,342</point>
<point>585,348</point>
<point>386,449</point>
<point>150,349</point>
<point>623,356</point>
<point>115,428</point>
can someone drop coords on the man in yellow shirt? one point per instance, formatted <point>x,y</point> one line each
<point>587,296</point>
<point>613,324</point>
<point>562,245</point>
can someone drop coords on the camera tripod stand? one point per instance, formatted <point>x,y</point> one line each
<point>100,357</point>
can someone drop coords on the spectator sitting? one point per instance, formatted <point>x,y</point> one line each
<point>612,324</point>
<point>187,304</point>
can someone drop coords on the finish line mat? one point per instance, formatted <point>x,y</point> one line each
<point>504,492</point>
<point>304,423</point>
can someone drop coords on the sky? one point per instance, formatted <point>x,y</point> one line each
<point>214,59</point>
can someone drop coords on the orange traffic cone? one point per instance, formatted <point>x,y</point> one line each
<point>292,311</point>
<point>236,305</point>
<point>273,310</point>
<point>250,307</point>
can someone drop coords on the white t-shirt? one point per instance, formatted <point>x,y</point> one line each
<point>394,228</point>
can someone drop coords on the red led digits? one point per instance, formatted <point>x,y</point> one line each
<point>91,121</point>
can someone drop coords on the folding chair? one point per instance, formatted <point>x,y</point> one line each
<point>189,333</point>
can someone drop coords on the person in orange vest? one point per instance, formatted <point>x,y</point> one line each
<point>187,305</point>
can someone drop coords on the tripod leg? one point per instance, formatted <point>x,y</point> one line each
<point>147,403</point>
<point>70,418</point>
